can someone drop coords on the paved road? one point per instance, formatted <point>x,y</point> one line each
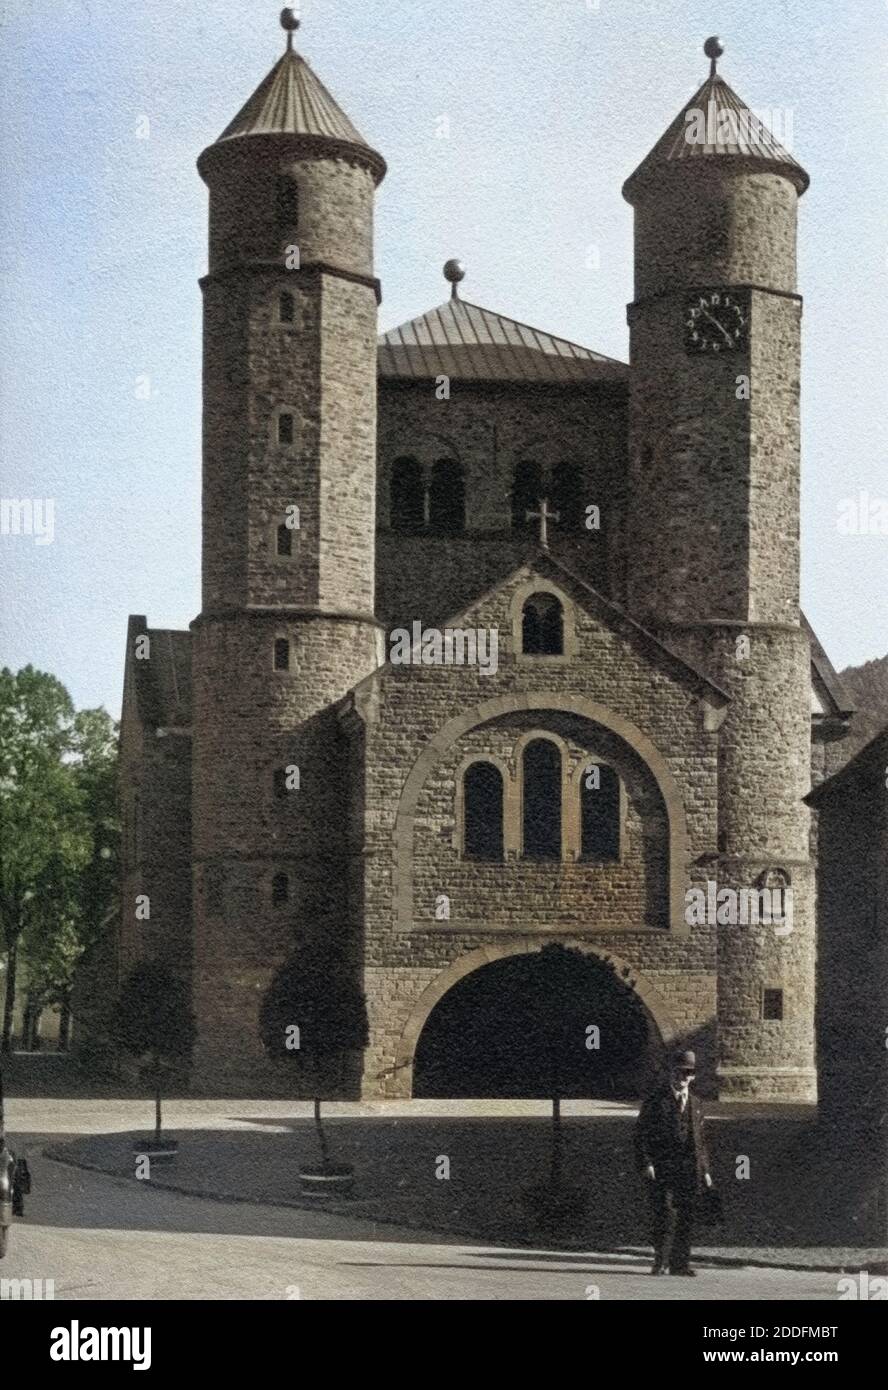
<point>100,1237</point>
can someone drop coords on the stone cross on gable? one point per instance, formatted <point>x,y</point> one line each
<point>543,516</point>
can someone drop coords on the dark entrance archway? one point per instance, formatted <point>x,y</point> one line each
<point>514,1026</point>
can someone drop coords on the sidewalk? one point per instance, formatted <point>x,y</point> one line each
<point>460,1167</point>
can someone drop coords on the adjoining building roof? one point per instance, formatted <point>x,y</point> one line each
<point>716,125</point>
<point>464,341</point>
<point>162,682</point>
<point>828,676</point>
<point>865,770</point>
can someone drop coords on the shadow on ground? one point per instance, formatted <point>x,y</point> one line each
<point>793,1196</point>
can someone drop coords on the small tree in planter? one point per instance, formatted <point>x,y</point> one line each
<point>312,1014</point>
<point>553,976</point>
<point>154,1022</point>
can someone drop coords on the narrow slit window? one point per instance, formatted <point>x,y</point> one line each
<point>280,890</point>
<point>287,204</point>
<point>284,540</point>
<point>286,308</point>
<point>285,428</point>
<point>772,1005</point>
<point>281,654</point>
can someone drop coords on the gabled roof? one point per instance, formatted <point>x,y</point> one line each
<point>716,125</point>
<point>826,677</point>
<point>464,341</point>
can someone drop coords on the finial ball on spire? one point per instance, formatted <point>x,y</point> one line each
<point>713,48</point>
<point>454,271</point>
<point>289,21</point>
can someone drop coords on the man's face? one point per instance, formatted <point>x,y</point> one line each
<point>682,1079</point>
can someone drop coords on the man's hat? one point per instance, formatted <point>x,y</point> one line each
<point>685,1061</point>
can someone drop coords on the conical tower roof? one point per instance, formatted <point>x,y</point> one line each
<point>714,127</point>
<point>293,101</point>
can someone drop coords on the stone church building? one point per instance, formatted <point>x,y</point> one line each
<point>500,641</point>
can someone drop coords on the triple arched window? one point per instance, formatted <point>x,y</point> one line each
<point>430,502</point>
<point>560,817</point>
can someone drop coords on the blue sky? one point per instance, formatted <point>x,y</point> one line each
<point>550,104</point>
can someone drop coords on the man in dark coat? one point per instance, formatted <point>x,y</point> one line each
<point>670,1151</point>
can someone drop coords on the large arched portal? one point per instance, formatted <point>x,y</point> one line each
<point>532,1024</point>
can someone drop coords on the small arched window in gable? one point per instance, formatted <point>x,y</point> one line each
<point>542,626</point>
<point>287,203</point>
<point>286,308</point>
<point>526,493</point>
<point>280,890</point>
<point>406,497</point>
<point>599,813</point>
<point>281,654</point>
<point>447,499</point>
<point>483,812</point>
<point>284,540</point>
<point>541,800</point>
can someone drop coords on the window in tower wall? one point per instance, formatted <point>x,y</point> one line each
<point>599,813</point>
<point>284,540</point>
<point>287,203</point>
<point>772,1005</point>
<point>281,654</point>
<point>280,890</point>
<point>286,308</point>
<point>285,429</point>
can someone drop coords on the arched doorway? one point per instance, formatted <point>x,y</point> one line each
<point>526,1024</point>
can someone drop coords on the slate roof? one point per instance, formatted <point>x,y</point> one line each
<point>865,770</point>
<point>829,678</point>
<point>292,100</point>
<point>740,136</point>
<point>464,341</point>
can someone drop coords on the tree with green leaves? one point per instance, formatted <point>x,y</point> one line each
<point>311,1016</point>
<point>154,1023</point>
<point>45,837</point>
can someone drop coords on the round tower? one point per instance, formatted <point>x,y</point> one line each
<point>713,537</point>
<point>287,623</point>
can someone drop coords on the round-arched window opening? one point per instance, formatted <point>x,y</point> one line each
<point>542,626</point>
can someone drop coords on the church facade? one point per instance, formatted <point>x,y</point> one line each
<point>500,642</point>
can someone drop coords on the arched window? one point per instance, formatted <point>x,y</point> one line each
<point>541,794</point>
<point>567,498</point>
<point>447,499</point>
<point>406,498</point>
<point>284,539</point>
<point>599,813</point>
<point>287,203</point>
<point>280,890</point>
<point>526,493</point>
<point>281,654</point>
<point>286,308</point>
<point>483,812</point>
<point>542,626</point>
<point>285,429</point>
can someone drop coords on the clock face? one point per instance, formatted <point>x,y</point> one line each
<point>716,321</point>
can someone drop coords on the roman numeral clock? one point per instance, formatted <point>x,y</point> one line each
<point>716,321</point>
